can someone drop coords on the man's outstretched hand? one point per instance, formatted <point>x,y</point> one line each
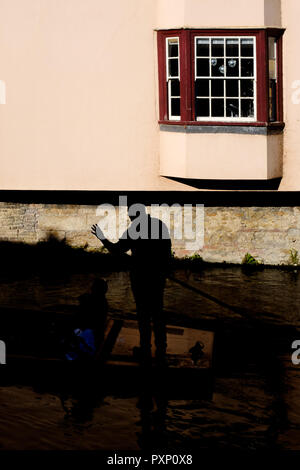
<point>96,230</point>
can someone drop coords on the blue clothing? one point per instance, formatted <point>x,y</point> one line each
<point>86,344</point>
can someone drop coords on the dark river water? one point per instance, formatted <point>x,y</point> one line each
<point>254,399</point>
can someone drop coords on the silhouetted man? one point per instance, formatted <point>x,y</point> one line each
<point>149,240</point>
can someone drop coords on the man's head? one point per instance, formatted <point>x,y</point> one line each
<point>136,210</point>
<point>84,313</point>
<point>99,287</point>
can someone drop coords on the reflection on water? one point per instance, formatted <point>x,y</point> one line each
<point>33,420</point>
<point>256,394</point>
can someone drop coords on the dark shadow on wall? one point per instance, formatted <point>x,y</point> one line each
<point>231,185</point>
<point>54,256</point>
<point>213,196</point>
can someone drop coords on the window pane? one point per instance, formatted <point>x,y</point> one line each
<point>217,67</point>
<point>202,108</point>
<point>272,48</point>
<point>175,106</point>
<point>247,87</point>
<point>232,108</point>
<point>272,69</point>
<point>175,88</point>
<point>247,47</point>
<point>224,81</point>
<point>202,88</point>
<point>173,50</point>
<point>272,79</point>
<point>272,59</point>
<point>217,108</point>
<point>272,100</point>
<point>217,87</point>
<point>232,88</point>
<point>232,47</point>
<point>247,68</point>
<point>232,67</point>
<point>247,108</point>
<point>173,67</point>
<point>217,47</point>
<point>202,47</point>
<point>202,67</point>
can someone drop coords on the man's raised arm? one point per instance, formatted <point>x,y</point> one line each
<point>117,248</point>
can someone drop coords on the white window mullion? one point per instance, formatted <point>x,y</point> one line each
<point>209,98</point>
<point>224,92</point>
<point>169,77</point>
<point>240,80</point>
<point>210,75</point>
<point>255,80</point>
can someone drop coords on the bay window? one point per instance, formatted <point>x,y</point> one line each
<point>220,77</point>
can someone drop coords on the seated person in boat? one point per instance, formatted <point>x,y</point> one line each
<point>99,307</point>
<point>91,321</point>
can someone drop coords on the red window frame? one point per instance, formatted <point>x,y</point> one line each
<point>187,83</point>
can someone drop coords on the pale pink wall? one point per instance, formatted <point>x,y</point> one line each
<point>221,156</point>
<point>173,154</point>
<point>273,13</point>
<point>291,85</point>
<point>80,108</point>
<point>274,155</point>
<point>217,13</point>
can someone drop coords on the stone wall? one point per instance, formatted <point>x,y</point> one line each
<point>267,233</point>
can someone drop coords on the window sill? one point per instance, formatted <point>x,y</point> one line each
<point>201,127</point>
<point>277,124</point>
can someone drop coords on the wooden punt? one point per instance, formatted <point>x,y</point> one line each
<point>180,342</point>
<point>189,363</point>
<point>185,369</point>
